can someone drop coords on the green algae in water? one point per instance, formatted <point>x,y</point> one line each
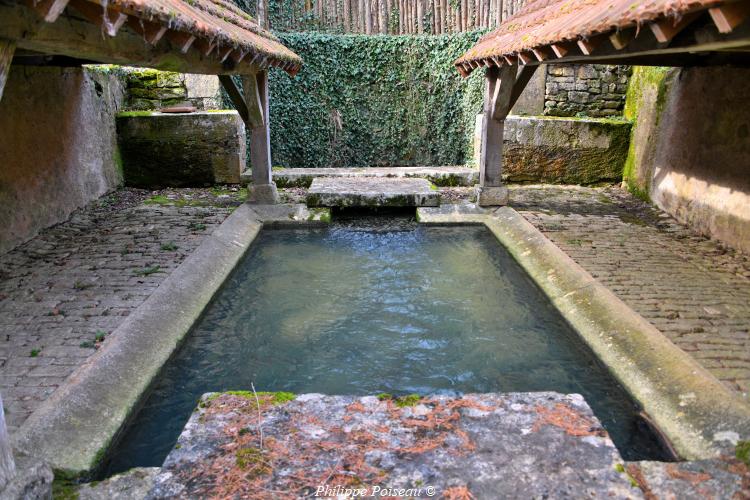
<point>364,310</point>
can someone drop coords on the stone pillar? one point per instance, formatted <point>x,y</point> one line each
<point>262,190</point>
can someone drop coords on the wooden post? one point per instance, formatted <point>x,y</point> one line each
<point>503,88</point>
<point>262,190</point>
<point>7,48</point>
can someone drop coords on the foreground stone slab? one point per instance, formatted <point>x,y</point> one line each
<point>721,478</point>
<point>131,485</point>
<point>440,176</point>
<point>542,445</point>
<point>372,192</point>
<point>181,150</point>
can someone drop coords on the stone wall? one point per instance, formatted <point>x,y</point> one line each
<point>148,89</point>
<point>586,90</point>
<point>690,147</point>
<point>58,148</point>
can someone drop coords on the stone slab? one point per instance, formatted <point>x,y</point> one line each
<point>520,445</point>
<point>721,478</point>
<point>181,149</point>
<point>131,485</point>
<point>291,214</point>
<point>372,192</point>
<point>450,176</point>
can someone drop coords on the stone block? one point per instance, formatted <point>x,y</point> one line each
<point>372,192</point>
<point>564,150</point>
<point>181,150</point>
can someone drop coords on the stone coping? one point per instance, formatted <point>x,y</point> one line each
<point>372,192</point>
<point>700,416</point>
<point>74,427</point>
<point>492,445</point>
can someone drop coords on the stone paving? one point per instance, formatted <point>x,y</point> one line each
<point>71,286</point>
<point>694,290</point>
<point>64,292</point>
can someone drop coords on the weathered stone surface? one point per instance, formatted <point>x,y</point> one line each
<point>542,445</point>
<point>492,196</point>
<point>262,194</point>
<point>595,90</point>
<point>131,485</point>
<point>727,478</point>
<point>372,192</point>
<point>58,146</point>
<point>32,480</point>
<point>564,150</point>
<point>291,214</point>
<point>181,150</point>
<point>440,176</point>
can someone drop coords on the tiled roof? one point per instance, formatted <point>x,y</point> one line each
<point>542,23</point>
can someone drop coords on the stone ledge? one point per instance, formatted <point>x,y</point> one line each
<point>440,176</point>
<point>517,445</point>
<point>371,192</point>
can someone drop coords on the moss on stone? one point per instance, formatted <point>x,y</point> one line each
<point>275,398</point>
<point>64,489</point>
<point>409,400</point>
<point>130,114</point>
<point>742,452</point>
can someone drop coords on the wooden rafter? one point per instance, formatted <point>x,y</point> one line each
<point>621,39</point>
<point>109,20</point>
<point>49,10</point>
<point>151,32</point>
<point>589,45</point>
<point>666,29</point>
<point>80,39</point>
<point>561,49</point>
<point>181,39</point>
<point>540,53</point>
<point>729,16</point>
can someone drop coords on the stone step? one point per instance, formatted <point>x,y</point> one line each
<point>440,176</point>
<point>372,192</point>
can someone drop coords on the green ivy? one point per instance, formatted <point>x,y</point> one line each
<point>374,101</point>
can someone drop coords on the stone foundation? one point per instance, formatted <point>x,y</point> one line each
<point>562,150</point>
<point>181,150</point>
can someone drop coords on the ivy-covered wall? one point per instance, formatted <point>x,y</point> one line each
<point>374,101</point>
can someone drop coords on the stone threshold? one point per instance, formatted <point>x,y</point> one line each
<point>450,176</point>
<point>700,416</point>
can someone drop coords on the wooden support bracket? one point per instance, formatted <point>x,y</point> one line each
<point>7,48</point>
<point>235,95</point>
<point>255,96</point>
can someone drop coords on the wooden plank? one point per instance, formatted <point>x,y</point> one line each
<point>81,39</point>
<point>50,10</point>
<point>666,29</point>
<point>729,16</point>
<point>235,95</point>
<point>110,20</point>
<point>256,98</point>
<point>7,48</point>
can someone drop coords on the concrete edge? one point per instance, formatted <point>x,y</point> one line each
<point>700,416</point>
<point>74,427</point>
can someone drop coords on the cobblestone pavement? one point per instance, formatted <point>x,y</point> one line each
<point>64,292</point>
<point>694,290</point>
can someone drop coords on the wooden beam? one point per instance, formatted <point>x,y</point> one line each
<point>729,16</point>
<point>524,58</point>
<point>540,53</point>
<point>110,20</point>
<point>588,46</point>
<point>151,32</point>
<point>561,49</point>
<point>262,189</point>
<point>50,10</point>
<point>502,92</point>
<point>253,91</point>
<point>235,95</point>
<point>204,46</point>
<point>181,39</point>
<point>81,39</point>
<point>510,60</point>
<point>7,48</point>
<point>621,39</point>
<point>666,29</point>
